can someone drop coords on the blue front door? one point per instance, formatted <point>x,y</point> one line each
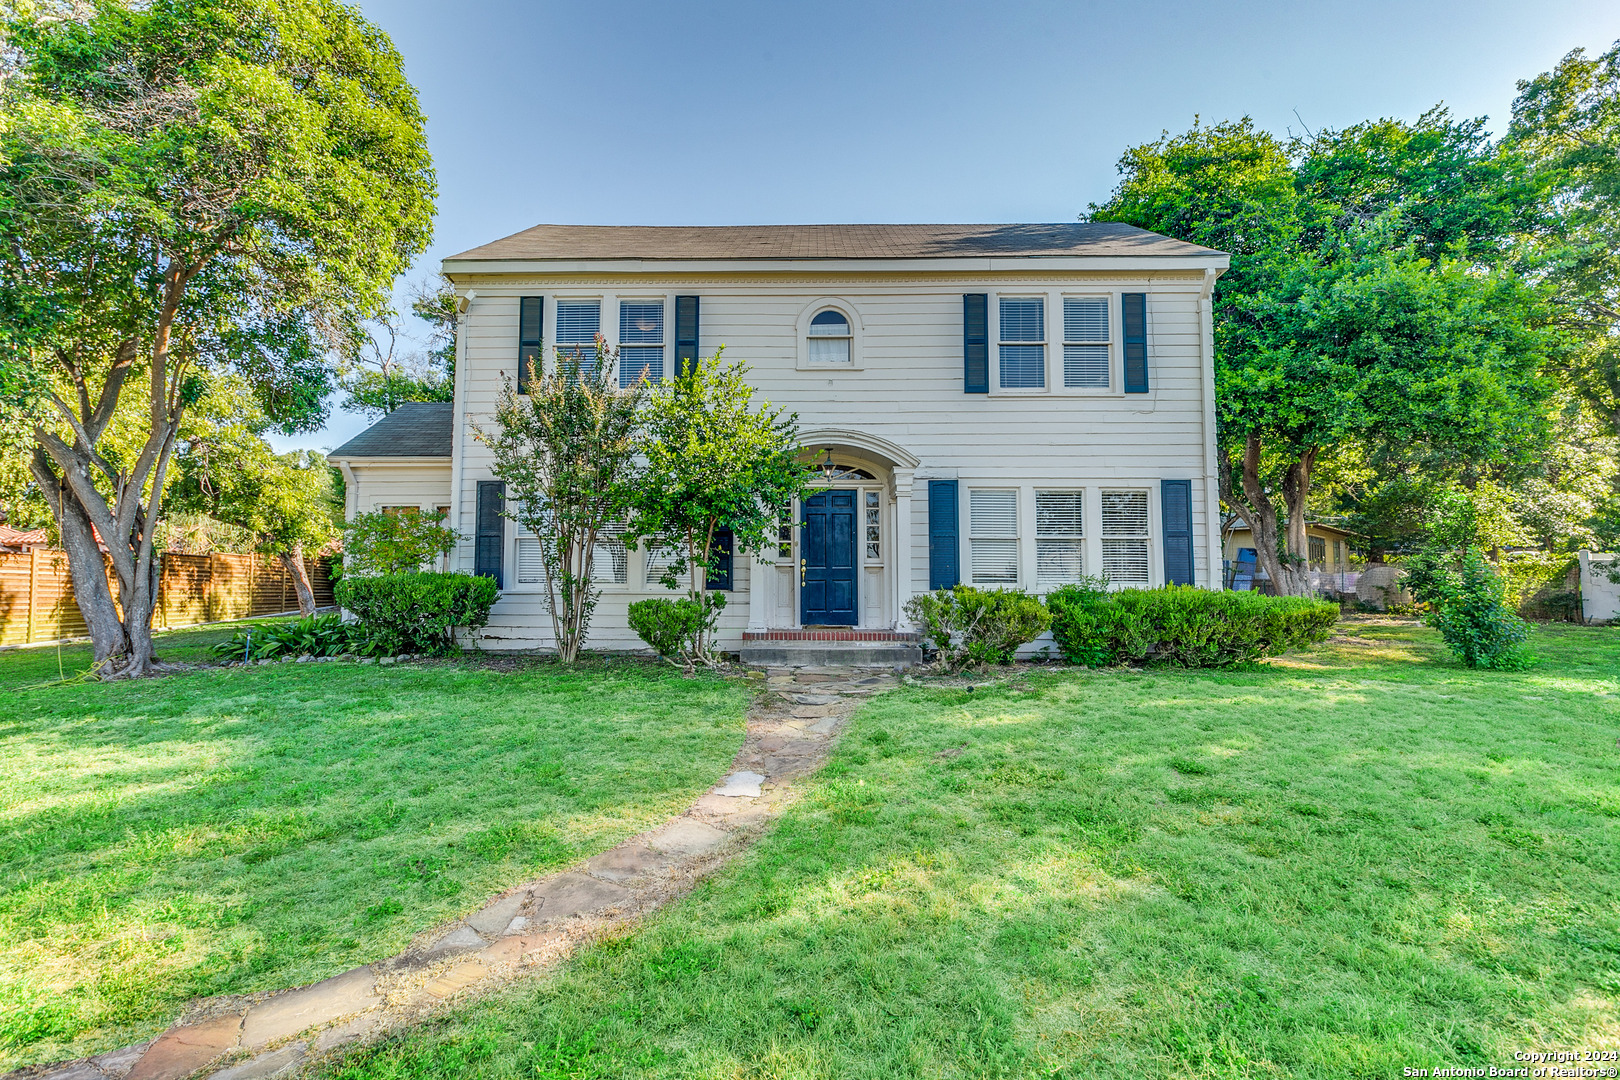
<point>827,563</point>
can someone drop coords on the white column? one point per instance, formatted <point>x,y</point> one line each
<point>761,588</point>
<point>901,545</point>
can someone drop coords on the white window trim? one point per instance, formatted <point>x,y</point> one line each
<point>1022,494</point>
<point>857,334</point>
<point>1091,518</point>
<point>610,328</point>
<point>1116,380</point>
<point>607,323</point>
<point>994,318</point>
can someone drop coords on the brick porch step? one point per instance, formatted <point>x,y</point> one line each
<point>831,633</point>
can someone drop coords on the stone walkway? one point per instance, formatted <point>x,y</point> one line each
<point>536,925</point>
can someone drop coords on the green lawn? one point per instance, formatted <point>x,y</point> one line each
<point>231,830</point>
<point>1333,866</point>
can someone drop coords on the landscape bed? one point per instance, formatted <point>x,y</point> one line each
<point>226,831</point>
<point>1338,863</point>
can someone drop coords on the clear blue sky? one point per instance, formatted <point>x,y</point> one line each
<point>836,111</point>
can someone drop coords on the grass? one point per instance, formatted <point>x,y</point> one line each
<point>1335,865</point>
<point>233,830</point>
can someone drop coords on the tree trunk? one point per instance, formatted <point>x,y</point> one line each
<point>1279,544</point>
<point>293,562</point>
<point>87,570</point>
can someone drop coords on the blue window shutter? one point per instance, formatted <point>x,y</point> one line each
<point>975,344</point>
<point>944,555</point>
<point>686,333</point>
<point>1176,500</point>
<point>1133,325</point>
<point>531,330</point>
<point>720,572</point>
<point>490,541</point>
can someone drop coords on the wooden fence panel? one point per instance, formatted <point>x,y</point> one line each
<point>36,592</point>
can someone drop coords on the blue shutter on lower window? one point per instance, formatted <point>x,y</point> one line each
<point>944,550</point>
<point>1176,504</point>
<point>1133,332</point>
<point>720,572</point>
<point>976,343</point>
<point>686,334</point>
<point>531,330</point>
<point>490,542</point>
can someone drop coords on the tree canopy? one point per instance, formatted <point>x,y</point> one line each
<point>191,186</point>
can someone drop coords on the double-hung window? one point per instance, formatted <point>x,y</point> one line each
<point>578,323</point>
<point>1086,342</point>
<point>993,535</point>
<point>1023,343</point>
<point>610,562</point>
<point>641,341</point>
<point>1059,537</point>
<point>1125,537</point>
<point>829,338</point>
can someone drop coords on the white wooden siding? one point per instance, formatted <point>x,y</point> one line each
<point>905,387</point>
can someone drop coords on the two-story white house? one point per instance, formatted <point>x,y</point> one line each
<point>998,405</point>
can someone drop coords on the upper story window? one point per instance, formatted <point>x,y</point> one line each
<point>1023,343</point>
<point>578,323</point>
<point>1085,342</point>
<point>829,338</point>
<point>641,341</point>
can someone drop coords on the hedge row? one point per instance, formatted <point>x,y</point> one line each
<point>1176,626</point>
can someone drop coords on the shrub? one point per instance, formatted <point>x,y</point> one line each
<point>417,613</point>
<point>674,628</point>
<point>1182,626</point>
<point>1473,616</point>
<point>397,543</point>
<point>978,626</point>
<point>313,635</point>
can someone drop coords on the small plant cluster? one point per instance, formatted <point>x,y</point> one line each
<point>314,635</point>
<point>1182,626</point>
<point>1175,626</point>
<point>417,612</point>
<point>1468,604</point>
<point>971,626</point>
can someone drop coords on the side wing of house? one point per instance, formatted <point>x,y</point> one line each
<point>401,463</point>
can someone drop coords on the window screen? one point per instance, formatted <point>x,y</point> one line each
<point>1125,537</point>
<point>1023,343</point>
<point>993,535</point>
<point>1059,537</point>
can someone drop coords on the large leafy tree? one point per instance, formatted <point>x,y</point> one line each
<point>1566,122</point>
<point>190,186</point>
<point>390,366</point>
<point>284,502</point>
<point>1373,301</point>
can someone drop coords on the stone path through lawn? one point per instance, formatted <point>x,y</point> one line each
<point>248,1037</point>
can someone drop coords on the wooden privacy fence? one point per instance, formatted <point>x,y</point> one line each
<point>36,595</point>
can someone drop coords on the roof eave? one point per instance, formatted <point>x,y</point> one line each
<point>390,459</point>
<point>1191,261</point>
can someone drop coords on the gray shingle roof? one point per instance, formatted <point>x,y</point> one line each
<point>415,429</point>
<point>828,242</point>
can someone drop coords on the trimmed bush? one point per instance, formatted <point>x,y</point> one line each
<point>672,628</point>
<point>417,613</point>
<point>978,626</point>
<point>1182,626</point>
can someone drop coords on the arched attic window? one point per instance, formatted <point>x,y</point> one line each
<point>829,337</point>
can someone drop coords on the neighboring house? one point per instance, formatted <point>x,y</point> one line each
<point>1327,556</point>
<point>16,540</point>
<point>999,405</point>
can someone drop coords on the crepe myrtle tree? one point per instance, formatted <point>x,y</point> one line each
<point>190,186</point>
<point>568,451</point>
<point>714,460</point>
